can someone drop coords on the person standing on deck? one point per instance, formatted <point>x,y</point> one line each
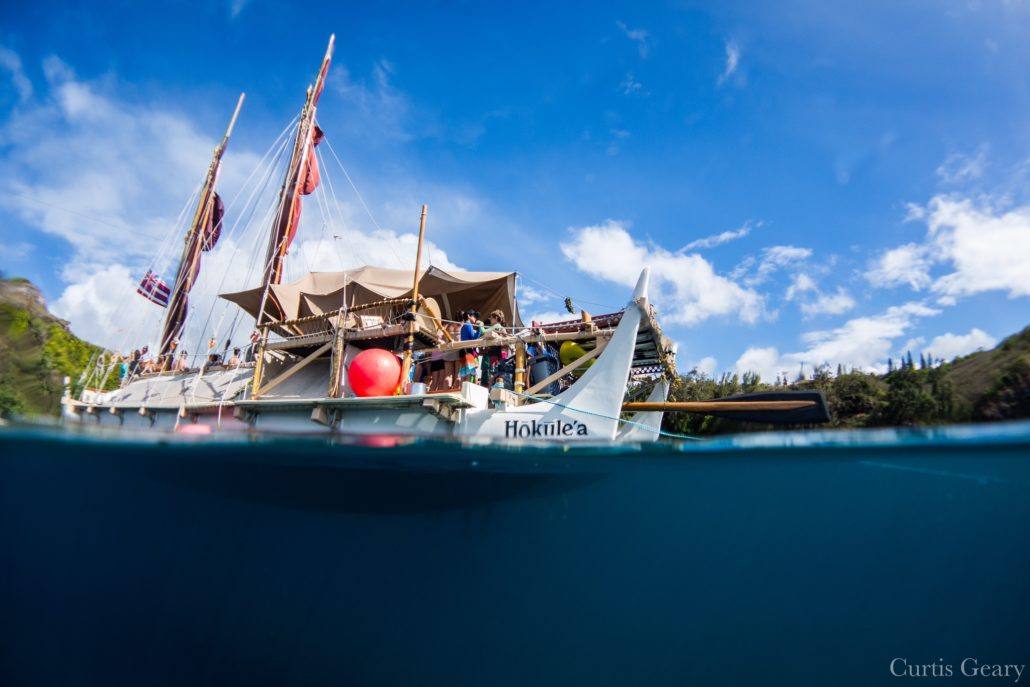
<point>471,330</point>
<point>493,356</point>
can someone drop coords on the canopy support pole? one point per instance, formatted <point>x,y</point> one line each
<point>409,344</point>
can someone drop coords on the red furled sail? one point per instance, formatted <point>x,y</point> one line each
<point>307,182</point>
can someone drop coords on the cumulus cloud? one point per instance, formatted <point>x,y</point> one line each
<point>987,250</point>
<point>948,346</point>
<point>705,366</point>
<point>908,264</point>
<point>835,303</point>
<point>732,61</point>
<point>980,249</point>
<point>862,342</point>
<point>800,284</point>
<point>813,301</point>
<point>719,239</point>
<point>684,285</point>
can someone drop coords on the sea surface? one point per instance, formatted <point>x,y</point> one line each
<point>808,558</point>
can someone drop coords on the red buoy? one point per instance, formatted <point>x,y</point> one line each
<point>374,372</point>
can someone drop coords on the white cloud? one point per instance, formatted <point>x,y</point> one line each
<point>11,63</point>
<point>732,61</point>
<point>719,239</point>
<point>948,346</point>
<point>985,248</point>
<point>771,260</point>
<point>800,284</point>
<point>548,316</point>
<point>908,264</point>
<point>639,36</point>
<point>529,295</point>
<point>95,172</point>
<point>829,303</point>
<point>685,285</point>
<point>813,301</point>
<point>988,250</point>
<point>705,366</point>
<point>862,342</point>
<point>958,168</point>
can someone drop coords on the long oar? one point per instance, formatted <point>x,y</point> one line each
<point>784,407</point>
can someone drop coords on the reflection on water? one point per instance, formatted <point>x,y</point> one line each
<point>764,559</point>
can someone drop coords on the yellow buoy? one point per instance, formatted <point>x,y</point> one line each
<point>571,351</point>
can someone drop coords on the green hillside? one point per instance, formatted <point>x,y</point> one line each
<point>36,352</point>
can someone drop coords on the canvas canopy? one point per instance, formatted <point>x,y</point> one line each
<point>321,292</point>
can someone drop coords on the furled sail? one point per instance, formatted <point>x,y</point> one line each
<point>308,181</point>
<point>213,230</point>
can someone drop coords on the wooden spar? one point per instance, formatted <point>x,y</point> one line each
<point>194,244</point>
<point>715,406</point>
<point>288,199</point>
<point>409,344</point>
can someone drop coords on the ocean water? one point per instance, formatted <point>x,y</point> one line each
<point>789,558</point>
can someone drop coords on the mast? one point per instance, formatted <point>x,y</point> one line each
<point>202,235</point>
<point>301,179</point>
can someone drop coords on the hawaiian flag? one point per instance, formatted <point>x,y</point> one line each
<point>154,289</point>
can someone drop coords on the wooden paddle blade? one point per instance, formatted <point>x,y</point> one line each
<point>813,412</point>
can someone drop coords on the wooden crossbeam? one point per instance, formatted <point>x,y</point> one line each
<point>293,370</point>
<point>567,369</point>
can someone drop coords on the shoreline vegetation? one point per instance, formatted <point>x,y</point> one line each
<point>983,386</point>
<point>37,351</point>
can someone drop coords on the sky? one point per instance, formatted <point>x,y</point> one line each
<point>809,183</point>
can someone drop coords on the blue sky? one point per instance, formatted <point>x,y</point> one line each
<point>808,182</point>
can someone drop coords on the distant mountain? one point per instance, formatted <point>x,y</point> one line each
<point>36,351</point>
<point>994,384</point>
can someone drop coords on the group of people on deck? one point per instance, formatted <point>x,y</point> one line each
<point>448,369</point>
<point>139,362</point>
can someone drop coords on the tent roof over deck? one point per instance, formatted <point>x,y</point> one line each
<point>320,292</point>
